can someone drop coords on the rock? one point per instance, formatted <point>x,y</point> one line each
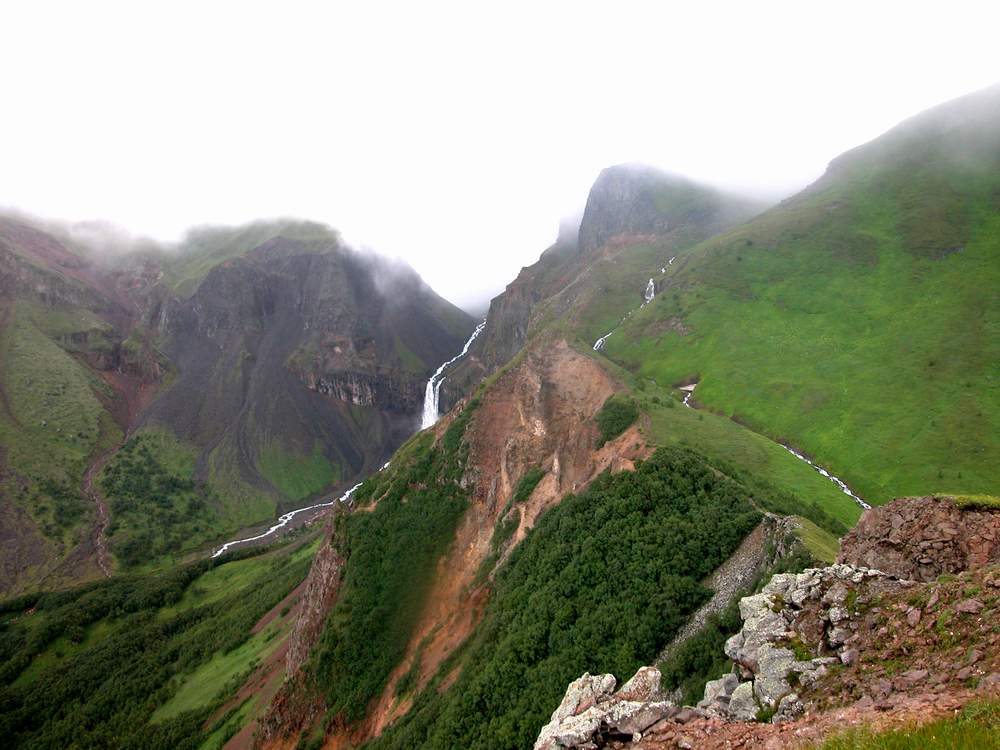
<point>865,702</point>
<point>837,614</point>
<point>882,687</point>
<point>837,636</point>
<point>974,656</point>
<point>913,617</point>
<point>789,709</point>
<point>913,677</point>
<point>721,688</point>
<point>836,595</point>
<point>774,666</point>
<point>591,708</point>
<point>644,686</point>
<point>742,704</point>
<point>921,538</point>
<point>849,656</point>
<point>969,606</point>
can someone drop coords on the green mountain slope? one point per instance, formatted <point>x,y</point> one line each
<point>859,320</point>
<point>251,369</point>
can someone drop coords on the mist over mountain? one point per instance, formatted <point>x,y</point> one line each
<point>679,465</point>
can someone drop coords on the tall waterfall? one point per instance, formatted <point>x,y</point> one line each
<point>650,291</point>
<point>433,390</point>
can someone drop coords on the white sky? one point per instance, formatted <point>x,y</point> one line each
<point>456,134</point>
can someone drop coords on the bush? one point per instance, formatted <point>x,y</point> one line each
<point>616,416</point>
<point>526,485</point>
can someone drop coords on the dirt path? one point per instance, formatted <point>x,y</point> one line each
<point>103,516</point>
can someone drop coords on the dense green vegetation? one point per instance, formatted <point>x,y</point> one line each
<point>87,668</point>
<point>600,584</point>
<point>976,727</point>
<point>701,658</point>
<point>52,421</point>
<point>391,554</point>
<point>298,476</point>
<point>616,415</point>
<point>859,320</point>
<point>155,505</point>
<point>527,483</point>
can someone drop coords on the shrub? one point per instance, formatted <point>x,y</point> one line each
<point>616,416</point>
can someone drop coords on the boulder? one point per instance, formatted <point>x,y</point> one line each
<point>742,704</point>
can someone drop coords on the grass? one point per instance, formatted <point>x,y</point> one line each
<point>976,727</point>
<point>821,544</point>
<point>826,323</point>
<point>975,502</point>
<point>223,673</point>
<point>219,582</point>
<point>203,249</point>
<point>719,438</point>
<point>297,476</point>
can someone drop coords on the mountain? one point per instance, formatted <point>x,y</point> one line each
<point>859,320</point>
<point>591,504</point>
<point>636,219</point>
<point>251,368</point>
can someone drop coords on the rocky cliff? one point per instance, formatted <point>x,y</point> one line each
<point>627,204</point>
<point>823,650</point>
<point>287,361</point>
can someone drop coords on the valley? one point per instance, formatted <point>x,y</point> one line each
<point>710,473</point>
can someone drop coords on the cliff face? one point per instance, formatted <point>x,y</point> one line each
<point>538,414</point>
<point>826,648</point>
<point>633,199</point>
<point>266,353</point>
<point>312,351</point>
<point>628,204</point>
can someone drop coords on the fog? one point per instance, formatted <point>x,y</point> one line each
<point>451,135</point>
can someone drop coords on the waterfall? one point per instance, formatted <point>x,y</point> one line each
<point>433,390</point>
<point>841,484</point>
<point>650,292</point>
<point>599,344</point>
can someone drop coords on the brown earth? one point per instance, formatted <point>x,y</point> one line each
<point>539,413</point>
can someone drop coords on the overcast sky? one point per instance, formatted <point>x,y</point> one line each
<point>454,135</point>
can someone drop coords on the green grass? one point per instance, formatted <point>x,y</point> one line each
<point>976,727</point>
<point>54,398</point>
<point>297,476</point>
<point>974,502</point>
<point>144,660</point>
<point>220,581</point>
<point>222,675</point>
<point>205,248</point>
<point>821,544</point>
<point>821,323</point>
<point>616,415</point>
<point>721,439</point>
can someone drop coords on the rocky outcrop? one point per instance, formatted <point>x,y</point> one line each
<point>793,631</point>
<point>592,713</point>
<point>322,585</point>
<point>633,199</point>
<point>923,537</point>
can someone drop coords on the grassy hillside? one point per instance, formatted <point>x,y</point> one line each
<point>859,320</point>
<point>143,661</point>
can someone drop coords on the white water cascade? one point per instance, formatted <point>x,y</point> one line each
<point>286,517</point>
<point>647,296</point>
<point>433,390</point>
<point>836,480</point>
